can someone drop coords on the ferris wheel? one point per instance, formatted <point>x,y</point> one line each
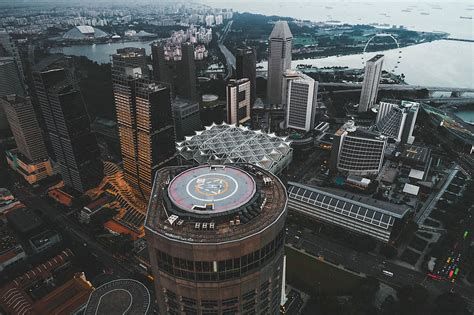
<point>392,60</point>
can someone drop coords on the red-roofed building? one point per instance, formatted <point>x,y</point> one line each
<point>33,293</point>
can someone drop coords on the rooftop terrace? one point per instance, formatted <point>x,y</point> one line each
<point>241,200</point>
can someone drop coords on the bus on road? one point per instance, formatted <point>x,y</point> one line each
<point>387,273</point>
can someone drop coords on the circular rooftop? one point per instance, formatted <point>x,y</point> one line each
<point>211,190</point>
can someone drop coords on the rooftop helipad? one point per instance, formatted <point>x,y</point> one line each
<point>208,190</point>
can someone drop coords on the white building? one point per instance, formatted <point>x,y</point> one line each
<point>397,120</point>
<point>357,151</point>
<point>301,97</point>
<point>370,85</point>
<point>210,20</point>
<point>238,101</point>
<point>219,19</point>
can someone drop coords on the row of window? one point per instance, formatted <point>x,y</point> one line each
<point>211,271</point>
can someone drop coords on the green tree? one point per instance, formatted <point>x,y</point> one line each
<point>412,299</point>
<point>450,303</point>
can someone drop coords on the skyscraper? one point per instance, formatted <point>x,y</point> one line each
<point>174,64</point>
<point>396,120</point>
<point>215,237</point>
<point>9,46</point>
<point>145,123</point>
<point>132,57</point>
<point>10,83</point>
<point>357,151</point>
<point>301,98</point>
<point>279,59</point>
<point>24,126</point>
<point>30,158</point>
<point>370,85</point>
<point>67,122</point>
<point>238,101</point>
<point>187,118</point>
<point>246,67</point>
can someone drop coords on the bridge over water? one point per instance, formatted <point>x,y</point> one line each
<point>402,87</point>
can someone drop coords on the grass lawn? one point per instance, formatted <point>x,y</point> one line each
<point>304,272</point>
<point>303,40</point>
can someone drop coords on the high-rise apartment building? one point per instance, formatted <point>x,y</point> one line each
<point>145,124</point>
<point>215,237</point>
<point>246,67</point>
<point>30,159</point>
<point>370,85</point>
<point>238,101</point>
<point>300,92</point>
<point>357,151</point>
<point>64,112</point>
<point>279,60</point>
<point>174,64</point>
<point>187,117</point>
<point>10,83</point>
<point>396,120</point>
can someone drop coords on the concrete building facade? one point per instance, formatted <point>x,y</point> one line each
<point>187,117</point>
<point>246,67</point>
<point>217,247</point>
<point>74,145</point>
<point>396,119</point>
<point>145,124</point>
<point>174,64</point>
<point>279,60</point>
<point>238,101</point>
<point>10,83</point>
<point>370,85</point>
<point>301,99</point>
<point>357,151</point>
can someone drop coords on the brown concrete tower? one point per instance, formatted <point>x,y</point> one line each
<point>216,239</point>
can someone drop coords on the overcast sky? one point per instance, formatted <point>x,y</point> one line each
<point>223,2</point>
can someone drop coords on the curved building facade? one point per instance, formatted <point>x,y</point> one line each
<point>216,239</point>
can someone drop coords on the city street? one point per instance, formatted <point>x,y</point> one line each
<point>372,265</point>
<point>71,229</point>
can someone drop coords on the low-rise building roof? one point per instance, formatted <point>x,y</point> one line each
<point>411,189</point>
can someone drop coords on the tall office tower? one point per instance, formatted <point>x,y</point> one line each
<point>396,120</point>
<point>370,85</point>
<point>215,238</point>
<point>279,59</point>
<point>301,93</point>
<point>174,64</point>
<point>9,46</point>
<point>187,118</point>
<point>132,57</point>
<point>30,158</point>
<point>145,123</point>
<point>357,151</point>
<point>238,101</point>
<point>67,122</point>
<point>246,67</point>
<point>10,83</point>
